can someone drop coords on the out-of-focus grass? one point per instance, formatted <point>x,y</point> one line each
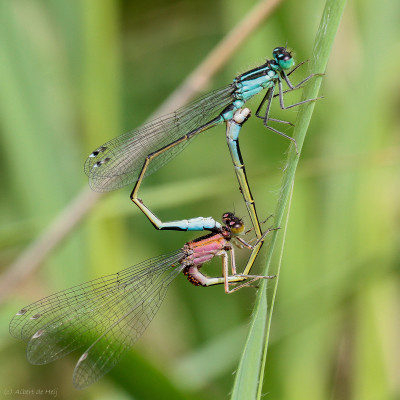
<point>73,75</point>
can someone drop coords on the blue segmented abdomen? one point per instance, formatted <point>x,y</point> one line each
<point>193,224</point>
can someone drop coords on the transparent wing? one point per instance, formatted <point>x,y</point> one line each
<point>111,312</point>
<point>118,162</point>
<point>107,350</point>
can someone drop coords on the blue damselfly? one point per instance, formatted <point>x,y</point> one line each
<point>128,158</point>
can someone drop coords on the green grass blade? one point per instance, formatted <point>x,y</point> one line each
<point>249,376</point>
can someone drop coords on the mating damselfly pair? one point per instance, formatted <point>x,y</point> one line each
<point>109,314</point>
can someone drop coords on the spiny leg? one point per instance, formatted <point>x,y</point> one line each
<point>259,240</point>
<point>247,283</point>
<point>268,97</point>
<point>281,102</point>
<point>289,83</point>
<point>297,66</point>
<point>293,87</point>
<point>265,117</point>
<point>255,249</point>
<point>262,222</point>
<point>233,279</point>
<point>227,280</point>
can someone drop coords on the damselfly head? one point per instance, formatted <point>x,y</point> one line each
<point>283,57</point>
<point>233,223</point>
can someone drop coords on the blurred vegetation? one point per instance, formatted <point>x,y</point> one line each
<point>75,74</point>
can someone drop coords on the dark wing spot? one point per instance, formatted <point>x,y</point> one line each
<point>98,151</point>
<point>101,162</point>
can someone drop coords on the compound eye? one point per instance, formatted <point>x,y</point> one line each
<point>283,57</point>
<point>227,217</point>
<point>236,225</point>
<point>277,51</point>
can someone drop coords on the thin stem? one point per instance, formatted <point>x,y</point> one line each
<point>249,377</point>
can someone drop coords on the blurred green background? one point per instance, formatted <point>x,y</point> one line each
<point>75,74</point>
